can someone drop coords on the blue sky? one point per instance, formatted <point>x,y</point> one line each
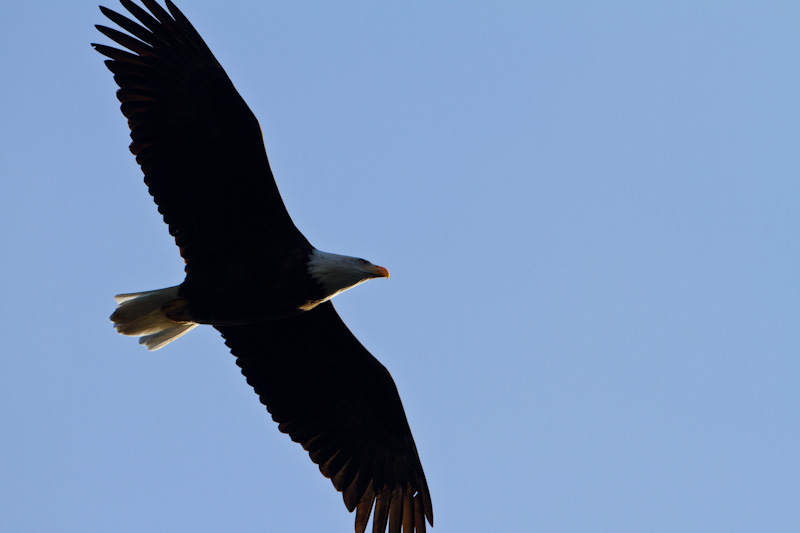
<point>590,214</point>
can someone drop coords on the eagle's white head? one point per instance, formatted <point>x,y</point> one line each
<point>337,273</point>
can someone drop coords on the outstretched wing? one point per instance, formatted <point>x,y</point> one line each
<point>199,145</point>
<point>332,396</point>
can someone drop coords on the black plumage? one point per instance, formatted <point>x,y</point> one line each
<point>248,270</point>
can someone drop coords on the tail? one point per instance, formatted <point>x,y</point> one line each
<point>141,314</point>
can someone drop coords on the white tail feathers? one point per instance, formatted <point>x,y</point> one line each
<point>141,314</point>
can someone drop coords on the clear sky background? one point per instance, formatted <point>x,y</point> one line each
<point>590,214</point>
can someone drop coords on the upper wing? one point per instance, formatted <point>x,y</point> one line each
<point>332,396</point>
<point>199,145</point>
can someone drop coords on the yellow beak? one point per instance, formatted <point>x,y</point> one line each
<point>380,272</point>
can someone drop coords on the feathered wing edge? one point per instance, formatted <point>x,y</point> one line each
<point>197,142</point>
<point>329,394</point>
<point>162,27</point>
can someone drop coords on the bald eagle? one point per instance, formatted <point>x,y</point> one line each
<point>251,274</point>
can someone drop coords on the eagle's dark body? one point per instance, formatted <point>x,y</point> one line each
<point>243,293</point>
